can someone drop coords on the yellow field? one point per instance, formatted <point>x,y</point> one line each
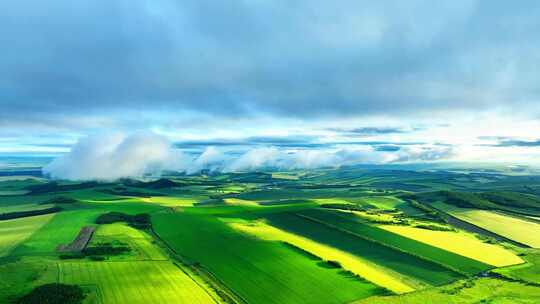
<point>139,241</point>
<point>134,282</point>
<point>459,243</point>
<point>240,202</point>
<point>169,201</point>
<point>379,275</point>
<point>13,232</point>
<point>519,230</point>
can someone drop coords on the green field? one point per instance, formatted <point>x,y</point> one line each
<point>406,264</point>
<point>258,271</point>
<point>134,282</point>
<point>277,238</point>
<point>348,222</point>
<point>13,232</point>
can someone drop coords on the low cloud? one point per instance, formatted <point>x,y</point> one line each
<point>113,156</point>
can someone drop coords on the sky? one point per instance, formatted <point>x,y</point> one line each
<point>387,81</point>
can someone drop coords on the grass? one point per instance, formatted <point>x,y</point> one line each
<point>139,241</point>
<point>437,255</point>
<point>13,232</point>
<point>528,272</point>
<point>374,273</point>
<point>135,281</point>
<point>514,228</point>
<point>24,274</point>
<point>256,270</point>
<point>408,265</point>
<point>61,229</point>
<point>481,291</point>
<point>459,243</point>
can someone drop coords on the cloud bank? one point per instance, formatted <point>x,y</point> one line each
<point>114,156</point>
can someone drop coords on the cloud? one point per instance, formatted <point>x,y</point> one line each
<point>310,60</point>
<point>113,156</point>
<point>369,131</point>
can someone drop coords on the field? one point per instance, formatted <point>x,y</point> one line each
<point>384,277</point>
<point>350,235</point>
<point>511,227</point>
<point>257,271</point>
<point>134,282</point>
<point>13,232</point>
<point>459,243</point>
<point>437,255</point>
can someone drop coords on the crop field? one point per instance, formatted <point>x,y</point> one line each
<point>14,232</point>
<point>517,229</point>
<point>338,236</point>
<point>141,243</point>
<point>135,282</point>
<point>459,243</point>
<point>440,256</point>
<point>408,265</point>
<point>258,271</point>
<point>384,277</point>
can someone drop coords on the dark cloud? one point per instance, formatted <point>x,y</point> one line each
<point>63,60</point>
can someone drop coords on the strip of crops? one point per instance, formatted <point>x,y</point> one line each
<point>409,265</point>
<point>350,223</point>
<point>257,271</point>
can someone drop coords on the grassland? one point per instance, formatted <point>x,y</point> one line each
<point>511,227</point>
<point>257,271</point>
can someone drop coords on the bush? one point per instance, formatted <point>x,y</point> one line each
<point>19,214</point>
<point>141,220</point>
<point>53,293</point>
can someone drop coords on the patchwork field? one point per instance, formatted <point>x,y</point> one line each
<point>344,236</point>
<point>434,254</point>
<point>257,271</point>
<point>384,277</point>
<point>517,229</point>
<point>417,270</point>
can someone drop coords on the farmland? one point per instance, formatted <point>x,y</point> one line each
<point>326,236</point>
<point>517,229</point>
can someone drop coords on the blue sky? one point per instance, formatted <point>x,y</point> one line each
<point>458,79</point>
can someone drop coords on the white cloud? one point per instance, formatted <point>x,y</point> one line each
<point>113,156</point>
